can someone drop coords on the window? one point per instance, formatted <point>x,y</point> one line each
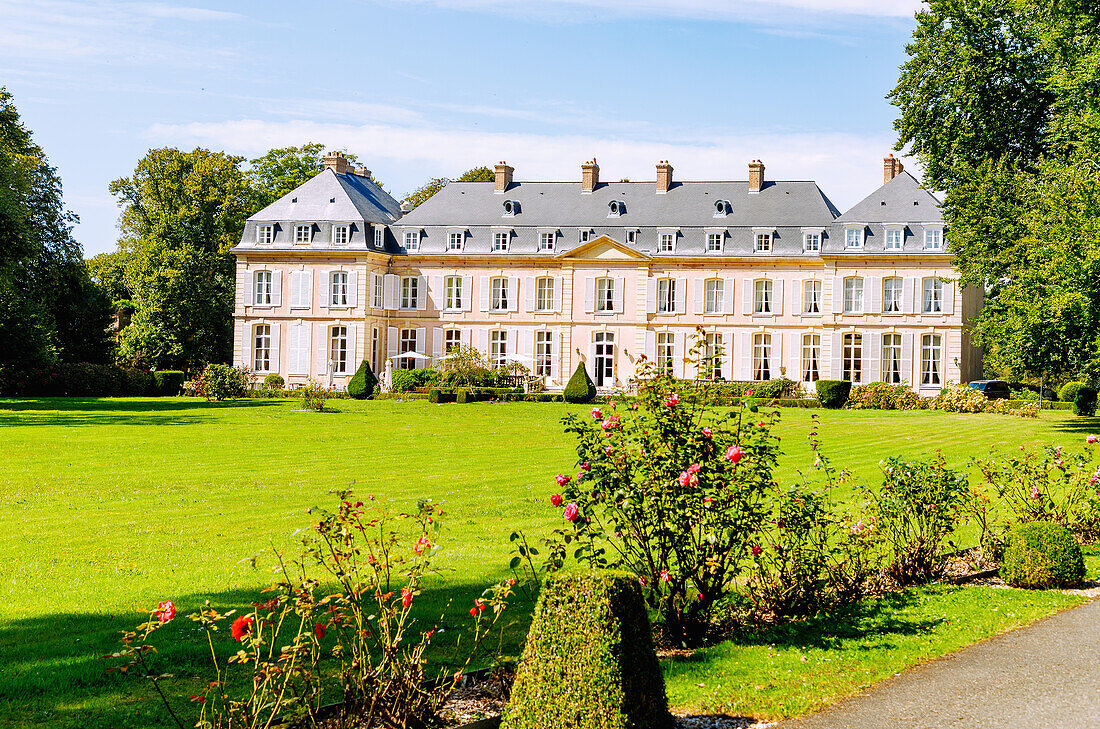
<point>811,357</point>
<point>543,353</point>
<point>713,354</point>
<point>714,242</point>
<point>853,295</point>
<point>338,288</point>
<point>605,294</point>
<point>933,296</point>
<point>853,238</point>
<point>762,243</point>
<point>265,234</point>
<point>851,364</point>
<point>379,288</point>
<point>338,349</point>
<point>891,295</point>
<point>666,243</point>
<point>762,296</point>
<point>811,296</point>
<point>546,240</point>
<point>262,288</point>
<point>261,350</point>
<point>500,240</point>
<point>615,208</point>
<point>762,356</point>
<point>666,296</point>
<point>498,348</point>
<point>498,294</point>
<point>379,237</point>
<point>721,208</point>
<point>302,233</point>
<point>511,208</point>
<point>666,347</point>
<point>931,351</point>
<point>891,358</point>
<point>811,242</point>
<point>452,293</point>
<point>632,237</point>
<point>412,240</point>
<point>410,294</point>
<point>586,235</point>
<point>933,239</point>
<point>544,294</point>
<point>713,296</point>
<point>893,239</point>
<point>452,339</point>
<point>340,235</point>
<point>407,343</point>
<point>454,240</point>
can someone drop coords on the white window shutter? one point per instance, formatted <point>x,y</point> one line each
<point>651,345</point>
<point>464,337</point>
<point>320,350</point>
<point>729,291</point>
<point>777,296</point>
<point>559,293</point>
<point>353,356</point>
<point>391,291</point>
<point>874,296</point>
<point>483,341</point>
<point>306,291</point>
<point>529,293</point>
<point>836,355</point>
<point>247,298</point>
<point>246,344</point>
<point>421,293</point>
<point>591,355</point>
<point>948,298</point>
<point>910,295</point>
<point>555,356</point>
<point>296,288</point>
<point>730,357</point>
<point>438,293</point>
<point>872,353</point>
<point>619,294</point>
<point>484,293</point>
<point>678,349</point>
<point>746,296</point>
<point>353,293</point>
<point>526,343</point>
<point>513,293</point>
<point>698,296</point>
<point>467,293</point>
<point>838,295</point>
<point>421,343</point>
<point>437,342</point>
<point>907,359</point>
<point>795,296</point>
<point>794,357</point>
<point>746,356</point>
<point>299,350</point>
<point>681,295</point>
<point>276,288</point>
<point>274,346</point>
<point>323,289</point>
<point>651,295</point>
<point>391,341</point>
<point>589,294</point>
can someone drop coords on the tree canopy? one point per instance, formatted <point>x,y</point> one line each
<point>281,170</point>
<point>417,197</point>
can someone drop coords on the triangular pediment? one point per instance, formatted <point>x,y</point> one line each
<point>604,248</point>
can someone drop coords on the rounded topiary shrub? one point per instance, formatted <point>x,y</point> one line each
<point>589,661</point>
<point>1084,402</point>
<point>1068,391</point>
<point>274,382</point>
<point>580,388</point>
<point>1042,554</point>
<point>833,393</point>
<point>362,382</point>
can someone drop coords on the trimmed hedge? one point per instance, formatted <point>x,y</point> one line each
<point>1068,391</point>
<point>1042,554</point>
<point>580,388</point>
<point>362,382</point>
<point>76,379</point>
<point>833,393</point>
<point>1084,402</point>
<point>405,380</point>
<point>168,382</point>
<point>589,661</point>
<point>463,396</point>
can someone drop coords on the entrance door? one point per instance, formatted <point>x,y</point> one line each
<point>605,359</point>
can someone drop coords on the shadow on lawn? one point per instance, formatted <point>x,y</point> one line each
<point>71,411</point>
<point>1078,425</point>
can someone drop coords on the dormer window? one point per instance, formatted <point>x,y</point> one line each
<point>666,241</point>
<point>546,240</point>
<point>933,239</point>
<point>412,240</point>
<point>616,208</point>
<point>500,240</point>
<point>895,235</point>
<point>455,239</point>
<point>632,237</point>
<point>586,235</point>
<point>265,234</point>
<point>853,237</point>
<point>721,208</point>
<point>379,237</point>
<point>511,207</point>
<point>762,240</point>
<point>340,235</point>
<point>714,240</point>
<point>811,240</point>
<point>303,233</point>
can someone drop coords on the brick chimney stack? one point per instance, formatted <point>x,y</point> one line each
<point>756,175</point>
<point>337,162</point>
<point>590,176</point>
<point>503,176</point>
<point>362,171</point>
<point>664,176</point>
<point>891,168</point>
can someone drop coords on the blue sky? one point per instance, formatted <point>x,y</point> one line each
<point>425,88</point>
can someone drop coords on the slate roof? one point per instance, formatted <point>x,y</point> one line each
<point>900,202</point>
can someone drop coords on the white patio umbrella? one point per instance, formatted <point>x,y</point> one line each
<point>410,355</point>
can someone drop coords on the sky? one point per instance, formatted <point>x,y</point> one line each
<point>428,88</point>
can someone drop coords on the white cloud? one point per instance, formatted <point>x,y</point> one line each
<point>848,167</point>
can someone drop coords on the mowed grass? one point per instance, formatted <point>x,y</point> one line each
<point>108,506</point>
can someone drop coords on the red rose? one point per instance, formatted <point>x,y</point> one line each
<point>241,627</point>
<point>319,631</point>
<point>165,611</point>
<point>406,597</point>
<point>734,454</point>
<point>555,500</point>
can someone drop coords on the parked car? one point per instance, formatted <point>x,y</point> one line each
<point>992,389</point>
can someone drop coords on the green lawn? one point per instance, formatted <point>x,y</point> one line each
<point>108,506</point>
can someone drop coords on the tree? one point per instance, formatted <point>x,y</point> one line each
<point>418,196</point>
<point>182,213</point>
<point>281,170</point>
<point>108,270</point>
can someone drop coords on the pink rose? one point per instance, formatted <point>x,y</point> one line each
<point>641,581</point>
<point>166,611</point>
<point>555,500</point>
<point>694,468</point>
<point>707,433</point>
<point>597,414</point>
<point>1034,492</point>
<point>585,466</point>
<point>611,423</point>
<point>759,423</point>
<point>421,545</point>
<point>571,512</point>
<point>611,403</point>
<point>665,576</point>
<point>734,454</point>
<point>683,478</point>
<point>562,479</point>
<point>672,400</point>
<point>688,480</point>
<point>406,597</point>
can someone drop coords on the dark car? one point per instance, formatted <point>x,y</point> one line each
<point>992,389</point>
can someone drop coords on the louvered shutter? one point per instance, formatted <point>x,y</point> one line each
<point>438,293</point>
<point>421,343</point>
<point>247,298</point>
<point>437,342</point>
<point>320,350</point>
<point>559,293</point>
<point>391,341</point>
<point>299,350</point>
<point>948,298</point>
<point>276,288</point>
<point>353,356</point>
<point>729,296</point>
<point>421,293</point>
<point>513,293</point>
<point>246,345</point>
<point>464,336</point>
<point>793,357</point>
<point>374,302</point>
<point>678,364</point>
<point>838,295</point>
<point>746,356</point>
<point>681,295</point>
<point>836,355</point>
<point>531,286</point>
<point>483,341</point>
<point>651,345</point>
<point>651,295</point>
<point>910,295</point>
<point>875,298</point>
<point>618,295</point>
<point>795,296</point>
<point>295,289</point>
<point>746,296</point>
<point>589,294</point>
<point>777,297</point>
<point>699,284</point>
<point>391,291</point>
<point>323,290</point>
<point>467,293</point>
<point>907,359</point>
<point>353,292</point>
<point>484,293</point>
<point>872,357</point>
<point>527,344</point>
<point>730,356</point>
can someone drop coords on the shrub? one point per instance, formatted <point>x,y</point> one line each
<point>956,398</point>
<point>1020,408</point>
<point>465,365</point>
<point>884,396</point>
<point>405,380</point>
<point>1084,402</point>
<point>589,661</point>
<point>221,381</point>
<point>1068,391</point>
<point>362,382</point>
<point>168,382</point>
<point>462,395</point>
<point>312,396</point>
<point>274,382</point>
<point>833,393</point>
<point>580,388</point>
<point>138,382</point>
<point>1040,555</point>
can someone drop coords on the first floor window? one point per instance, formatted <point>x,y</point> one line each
<point>261,349</point>
<point>714,355</point>
<point>500,240</point>
<point>498,294</point>
<point>452,339</point>
<point>339,289</point>
<point>543,353</point>
<point>666,346</point>
<point>762,243</point>
<point>893,239</point>
<point>811,242</point>
<point>933,296</point>
<point>666,296</point>
<point>811,296</point>
<point>605,294</point>
<point>667,242</point>
<point>452,293</point>
<point>407,343</point>
<point>762,296</point>
<point>891,359</point>
<point>811,357</point>
<point>931,352</point>
<point>762,356</point>
<point>454,240</point>
<point>544,294</point>
<point>852,358</point>
<point>498,347</point>
<point>933,239</point>
<point>891,295</point>
<point>340,235</point>
<point>714,242</point>
<point>338,349</point>
<point>713,296</point>
<point>546,240</point>
<point>302,233</point>
<point>263,288</point>
<point>410,294</point>
<point>853,295</point>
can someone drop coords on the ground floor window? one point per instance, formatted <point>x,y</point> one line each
<point>452,339</point>
<point>498,347</point>
<point>931,353</point>
<point>852,358</point>
<point>714,356</point>
<point>261,350</point>
<point>666,345</point>
<point>407,343</point>
<point>891,358</point>
<point>811,357</point>
<point>543,353</point>
<point>762,357</point>
<point>338,349</point>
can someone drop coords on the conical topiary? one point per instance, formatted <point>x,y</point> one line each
<point>589,661</point>
<point>579,389</point>
<point>362,384</point>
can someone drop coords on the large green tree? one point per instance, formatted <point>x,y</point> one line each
<point>418,196</point>
<point>283,169</point>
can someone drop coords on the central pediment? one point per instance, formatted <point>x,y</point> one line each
<point>604,248</point>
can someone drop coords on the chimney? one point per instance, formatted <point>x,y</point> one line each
<point>891,168</point>
<point>337,162</point>
<point>503,176</point>
<point>362,171</point>
<point>590,176</point>
<point>664,177</point>
<point>756,175</point>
